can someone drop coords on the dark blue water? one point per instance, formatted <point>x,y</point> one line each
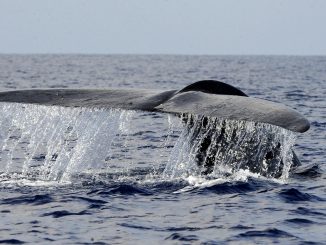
<point>87,176</point>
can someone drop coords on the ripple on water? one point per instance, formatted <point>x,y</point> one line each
<point>294,195</point>
<point>63,213</point>
<point>12,241</point>
<point>38,199</point>
<point>300,221</point>
<point>120,189</point>
<point>183,238</point>
<point>309,212</point>
<point>271,232</point>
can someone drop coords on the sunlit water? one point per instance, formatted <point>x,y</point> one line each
<point>80,175</point>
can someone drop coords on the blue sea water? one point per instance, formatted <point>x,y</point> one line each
<point>90,176</point>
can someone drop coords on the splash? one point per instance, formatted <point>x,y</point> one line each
<point>51,144</point>
<point>220,148</point>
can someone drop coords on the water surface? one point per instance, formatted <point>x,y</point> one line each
<point>90,176</point>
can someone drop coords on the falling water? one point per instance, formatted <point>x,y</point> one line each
<point>51,143</point>
<point>216,148</point>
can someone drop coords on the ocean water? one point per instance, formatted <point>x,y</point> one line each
<point>94,176</point>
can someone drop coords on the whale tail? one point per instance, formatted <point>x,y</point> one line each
<point>205,98</point>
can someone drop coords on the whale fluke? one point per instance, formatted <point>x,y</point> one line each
<point>207,98</point>
<point>236,108</point>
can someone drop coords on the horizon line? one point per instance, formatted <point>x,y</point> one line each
<point>154,54</point>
